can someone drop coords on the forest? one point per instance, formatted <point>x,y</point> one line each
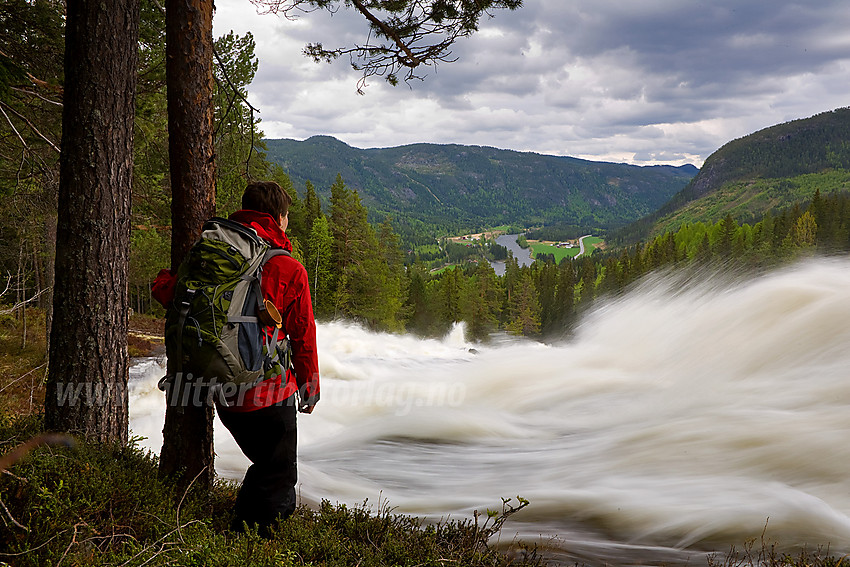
<point>769,169</point>
<point>455,188</point>
<point>384,271</point>
<point>361,271</point>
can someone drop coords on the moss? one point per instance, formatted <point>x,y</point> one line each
<point>105,505</point>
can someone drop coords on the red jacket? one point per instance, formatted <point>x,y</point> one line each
<point>284,283</point>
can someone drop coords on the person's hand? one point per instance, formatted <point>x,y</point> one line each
<point>306,409</point>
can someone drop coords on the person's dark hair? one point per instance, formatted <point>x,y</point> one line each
<point>266,197</point>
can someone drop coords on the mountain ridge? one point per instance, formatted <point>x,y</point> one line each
<point>771,168</point>
<point>481,185</point>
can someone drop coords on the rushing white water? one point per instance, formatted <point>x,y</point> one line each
<point>679,419</point>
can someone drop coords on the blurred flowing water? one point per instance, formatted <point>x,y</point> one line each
<point>685,417</point>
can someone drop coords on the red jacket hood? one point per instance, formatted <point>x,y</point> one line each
<point>265,225</point>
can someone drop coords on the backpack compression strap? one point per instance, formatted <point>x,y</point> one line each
<point>273,352</point>
<point>255,282</point>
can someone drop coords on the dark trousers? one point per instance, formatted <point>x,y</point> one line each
<point>268,438</point>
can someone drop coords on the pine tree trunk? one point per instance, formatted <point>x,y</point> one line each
<point>188,433</point>
<point>87,379</point>
<point>49,261</point>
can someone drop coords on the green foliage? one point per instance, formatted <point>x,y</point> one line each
<point>31,72</point>
<point>746,200</point>
<point>525,309</point>
<point>482,302</point>
<point>32,36</point>
<point>451,187</point>
<point>769,169</point>
<point>319,263</point>
<point>240,152</point>
<point>150,251</point>
<point>368,284</point>
<point>404,35</point>
<point>105,505</point>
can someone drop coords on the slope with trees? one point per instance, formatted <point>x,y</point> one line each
<point>454,185</point>
<point>97,165</point>
<point>769,169</point>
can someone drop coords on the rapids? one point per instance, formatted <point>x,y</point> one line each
<point>681,418</point>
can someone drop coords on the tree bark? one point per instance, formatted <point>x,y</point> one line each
<point>188,433</point>
<point>49,245</point>
<point>87,379</point>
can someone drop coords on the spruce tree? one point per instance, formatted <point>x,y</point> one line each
<point>481,301</point>
<point>525,309</point>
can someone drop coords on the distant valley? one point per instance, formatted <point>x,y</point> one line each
<point>464,187</point>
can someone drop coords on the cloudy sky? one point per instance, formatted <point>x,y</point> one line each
<point>634,81</point>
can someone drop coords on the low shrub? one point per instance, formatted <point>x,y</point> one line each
<point>106,505</point>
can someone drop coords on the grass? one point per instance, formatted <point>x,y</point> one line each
<point>101,505</point>
<point>23,363</point>
<point>746,199</point>
<point>561,253</point>
<point>442,269</point>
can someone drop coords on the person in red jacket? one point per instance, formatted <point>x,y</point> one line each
<point>263,421</point>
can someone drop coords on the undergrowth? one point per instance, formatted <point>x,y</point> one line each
<point>762,553</point>
<point>23,362</point>
<point>96,505</point>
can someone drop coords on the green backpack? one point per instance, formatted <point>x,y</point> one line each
<point>214,334</point>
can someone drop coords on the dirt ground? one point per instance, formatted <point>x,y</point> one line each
<point>490,235</point>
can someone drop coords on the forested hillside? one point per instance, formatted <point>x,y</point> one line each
<point>474,186</point>
<point>359,266</point>
<point>767,170</point>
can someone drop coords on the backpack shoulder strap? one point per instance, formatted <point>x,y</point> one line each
<point>272,252</point>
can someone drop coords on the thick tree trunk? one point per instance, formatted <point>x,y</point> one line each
<point>87,380</point>
<point>188,433</point>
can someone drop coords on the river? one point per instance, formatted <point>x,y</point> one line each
<point>522,255</point>
<point>680,419</point>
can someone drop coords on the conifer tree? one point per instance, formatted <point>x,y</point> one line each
<point>525,309</point>
<point>725,237</point>
<point>587,281</point>
<point>449,299</point>
<point>240,151</point>
<point>418,307</point>
<point>624,272</point>
<point>564,296</point>
<point>312,206</point>
<point>704,251</point>
<point>545,276</point>
<point>610,277</point>
<point>391,271</point>
<point>510,280</point>
<point>481,301</point>
<point>353,241</point>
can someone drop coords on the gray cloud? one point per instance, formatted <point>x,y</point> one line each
<point>648,81</point>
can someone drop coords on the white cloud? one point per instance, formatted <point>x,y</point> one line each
<point>651,81</point>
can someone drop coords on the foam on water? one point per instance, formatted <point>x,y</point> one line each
<point>677,416</point>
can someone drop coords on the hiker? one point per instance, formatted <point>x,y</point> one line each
<point>262,419</point>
